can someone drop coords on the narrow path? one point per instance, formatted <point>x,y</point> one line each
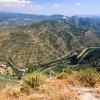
<point>88,93</point>
<point>87,96</point>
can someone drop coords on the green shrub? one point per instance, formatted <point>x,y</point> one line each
<point>62,75</point>
<point>34,79</point>
<point>69,71</point>
<point>9,75</point>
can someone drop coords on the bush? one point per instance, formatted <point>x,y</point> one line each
<point>62,75</point>
<point>9,75</point>
<point>88,76</point>
<point>16,92</point>
<point>26,90</point>
<point>69,71</point>
<point>34,79</point>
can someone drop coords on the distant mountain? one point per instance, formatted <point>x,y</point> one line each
<point>7,16</point>
<point>90,23</point>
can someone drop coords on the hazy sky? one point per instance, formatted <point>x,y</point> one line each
<point>48,7</point>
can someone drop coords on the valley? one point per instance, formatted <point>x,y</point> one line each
<point>49,57</point>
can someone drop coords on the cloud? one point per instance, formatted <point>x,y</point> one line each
<point>78,4</point>
<point>55,5</point>
<point>7,4</point>
<point>21,6</point>
<point>15,1</point>
<point>72,7</point>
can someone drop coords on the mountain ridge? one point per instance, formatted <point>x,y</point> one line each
<point>9,15</point>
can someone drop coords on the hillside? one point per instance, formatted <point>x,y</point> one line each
<point>43,41</point>
<point>54,59</point>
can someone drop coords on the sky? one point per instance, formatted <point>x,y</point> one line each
<point>49,7</point>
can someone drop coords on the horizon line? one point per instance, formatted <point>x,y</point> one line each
<point>82,15</point>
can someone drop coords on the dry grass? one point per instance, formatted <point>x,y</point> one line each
<point>52,89</point>
<point>88,76</point>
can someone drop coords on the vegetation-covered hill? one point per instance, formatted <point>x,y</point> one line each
<point>43,41</point>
